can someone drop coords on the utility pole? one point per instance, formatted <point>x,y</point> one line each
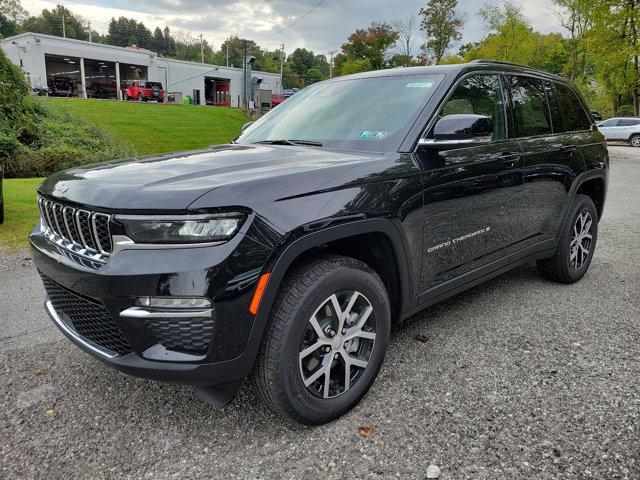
<point>244,77</point>
<point>64,31</point>
<point>201,49</point>
<point>282,61</point>
<point>90,31</point>
<point>332,53</point>
<point>227,51</point>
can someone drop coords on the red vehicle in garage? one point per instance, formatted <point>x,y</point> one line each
<point>144,91</point>
<point>277,99</point>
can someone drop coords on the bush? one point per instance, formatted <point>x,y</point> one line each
<point>37,139</point>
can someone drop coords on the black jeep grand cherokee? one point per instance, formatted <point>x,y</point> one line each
<point>288,254</point>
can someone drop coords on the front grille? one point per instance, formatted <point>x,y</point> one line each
<point>189,335</point>
<point>80,231</point>
<point>89,318</point>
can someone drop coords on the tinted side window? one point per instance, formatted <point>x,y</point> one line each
<point>612,122</point>
<point>479,95</point>
<point>628,122</point>
<point>529,107</point>
<point>575,116</point>
<point>557,121</point>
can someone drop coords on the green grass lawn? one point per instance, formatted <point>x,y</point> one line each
<point>149,127</point>
<point>157,128</point>
<point>20,212</point>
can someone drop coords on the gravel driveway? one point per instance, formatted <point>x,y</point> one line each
<point>517,378</point>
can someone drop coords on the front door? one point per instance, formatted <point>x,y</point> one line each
<point>611,129</point>
<point>472,214</point>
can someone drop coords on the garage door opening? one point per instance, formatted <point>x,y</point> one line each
<point>217,91</point>
<point>63,75</point>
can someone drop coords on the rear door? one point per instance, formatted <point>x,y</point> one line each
<point>472,192</point>
<point>628,126</point>
<point>552,156</point>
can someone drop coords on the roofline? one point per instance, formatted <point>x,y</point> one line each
<point>125,49</point>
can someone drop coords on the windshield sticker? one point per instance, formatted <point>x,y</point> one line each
<point>419,85</point>
<point>366,134</point>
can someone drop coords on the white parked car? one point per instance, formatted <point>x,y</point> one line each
<point>622,129</point>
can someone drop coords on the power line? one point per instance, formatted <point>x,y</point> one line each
<point>294,22</point>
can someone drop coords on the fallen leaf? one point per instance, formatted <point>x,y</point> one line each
<point>49,412</point>
<point>365,432</point>
<point>422,338</point>
<point>39,373</point>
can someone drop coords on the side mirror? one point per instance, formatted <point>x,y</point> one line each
<point>246,125</point>
<point>461,129</point>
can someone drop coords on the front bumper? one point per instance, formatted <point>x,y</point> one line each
<point>87,305</point>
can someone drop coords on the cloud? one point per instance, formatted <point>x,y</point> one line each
<point>325,29</point>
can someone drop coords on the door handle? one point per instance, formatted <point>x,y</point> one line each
<point>509,158</point>
<point>568,148</point>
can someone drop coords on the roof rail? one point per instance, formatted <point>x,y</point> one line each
<point>512,64</point>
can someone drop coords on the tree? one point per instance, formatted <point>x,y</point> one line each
<point>7,27</point>
<point>442,25</point>
<point>406,28</point>
<point>512,39</point>
<point>613,43</point>
<point>13,11</point>
<point>124,32</point>
<point>50,22</point>
<point>575,19</point>
<point>367,48</point>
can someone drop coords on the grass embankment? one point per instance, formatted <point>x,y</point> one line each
<point>155,128</point>
<point>149,128</point>
<point>20,212</point>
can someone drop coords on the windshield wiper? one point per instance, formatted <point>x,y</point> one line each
<point>290,142</point>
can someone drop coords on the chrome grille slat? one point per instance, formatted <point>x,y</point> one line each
<point>82,232</point>
<point>68,213</point>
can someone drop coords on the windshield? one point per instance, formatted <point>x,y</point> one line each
<point>153,84</point>
<point>361,114</point>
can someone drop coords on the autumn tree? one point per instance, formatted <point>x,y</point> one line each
<point>366,49</point>
<point>442,26</point>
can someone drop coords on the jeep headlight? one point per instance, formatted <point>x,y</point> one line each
<point>181,229</point>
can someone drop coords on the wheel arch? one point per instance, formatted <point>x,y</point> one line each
<point>341,239</point>
<point>595,188</point>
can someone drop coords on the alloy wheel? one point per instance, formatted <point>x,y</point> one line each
<point>337,344</point>
<point>581,240</point>
<point>635,141</point>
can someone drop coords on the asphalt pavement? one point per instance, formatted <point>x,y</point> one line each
<point>516,378</point>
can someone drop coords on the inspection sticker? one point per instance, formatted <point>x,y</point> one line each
<point>419,85</point>
<point>373,134</point>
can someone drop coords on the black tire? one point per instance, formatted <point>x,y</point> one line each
<point>560,268</point>
<point>278,375</point>
<point>634,141</point>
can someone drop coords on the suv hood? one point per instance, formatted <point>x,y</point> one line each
<point>172,182</point>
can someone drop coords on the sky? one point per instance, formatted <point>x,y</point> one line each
<point>273,22</point>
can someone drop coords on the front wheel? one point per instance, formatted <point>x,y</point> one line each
<point>576,246</point>
<point>326,339</point>
<point>635,141</point>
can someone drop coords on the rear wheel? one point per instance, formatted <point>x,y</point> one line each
<point>635,141</point>
<point>140,97</point>
<point>325,341</point>
<point>577,244</point>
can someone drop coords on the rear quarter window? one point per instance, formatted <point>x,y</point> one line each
<point>575,116</point>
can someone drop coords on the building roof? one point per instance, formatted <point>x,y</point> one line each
<point>138,50</point>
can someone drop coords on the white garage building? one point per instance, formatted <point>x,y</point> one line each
<point>95,70</point>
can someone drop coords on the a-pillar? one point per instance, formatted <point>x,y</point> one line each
<point>83,92</point>
<point>118,88</point>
